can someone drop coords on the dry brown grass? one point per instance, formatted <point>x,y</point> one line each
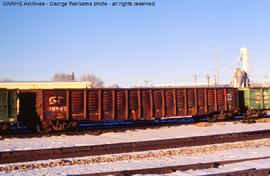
<point>203,124</point>
<point>220,123</point>
<point>263,120</point>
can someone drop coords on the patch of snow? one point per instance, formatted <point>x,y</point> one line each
<point>258,164</point>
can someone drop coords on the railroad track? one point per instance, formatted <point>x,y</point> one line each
<point>68,152</point>
<point>95,130</point>
<point>248,172</point>
<point>100,128</point>
<point>106,128</point>
<point>198,166</point>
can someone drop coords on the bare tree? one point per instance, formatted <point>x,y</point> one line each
<point>95,81</point>
<point>63,77</point>
<point>6,80</point>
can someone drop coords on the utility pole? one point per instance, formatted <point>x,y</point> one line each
<point>208,80</point>
<point>146,82</point>
<point>73,76</point>
<point>266,79</point>
<point>195,79</point>
<point>182,81</point>
<point>216,58</point>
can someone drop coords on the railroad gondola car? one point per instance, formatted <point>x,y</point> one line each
<point>8,108</point>
<point>60,109</point>
<point>255,101</point>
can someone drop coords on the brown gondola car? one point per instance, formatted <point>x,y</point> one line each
<point>62,108</point>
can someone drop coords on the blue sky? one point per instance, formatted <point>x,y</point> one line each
<point>168,43</point>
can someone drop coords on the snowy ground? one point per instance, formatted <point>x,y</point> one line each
<point>258,164</point>
<point>135,163</point>
<point>128,136</point>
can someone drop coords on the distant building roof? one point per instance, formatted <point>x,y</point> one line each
<point>45,85</point>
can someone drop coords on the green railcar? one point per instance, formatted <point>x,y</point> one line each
<point>8,107</point>
<point>257,98</point>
